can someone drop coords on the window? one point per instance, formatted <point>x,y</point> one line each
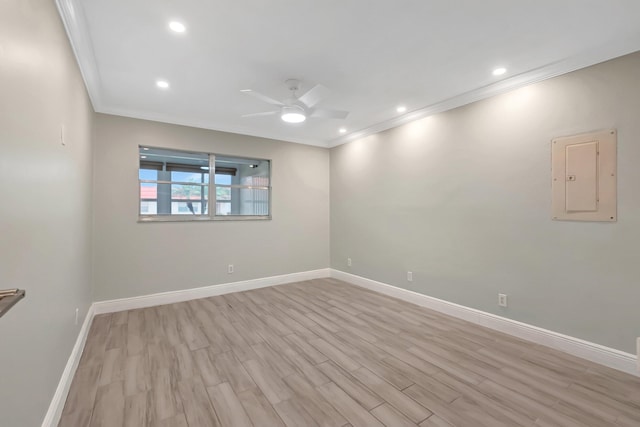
<point>174,185</point>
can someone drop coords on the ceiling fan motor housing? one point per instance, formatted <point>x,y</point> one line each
<point>293,84</point>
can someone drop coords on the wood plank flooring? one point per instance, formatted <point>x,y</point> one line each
<point>325,353</point>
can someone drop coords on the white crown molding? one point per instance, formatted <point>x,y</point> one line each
<point>73,18</point>
<point>202,124</point>
<point>152,300</point>
<point>54,413</point>
<point>600,54</point>
<point>72,14</point>
<point>597,353</point>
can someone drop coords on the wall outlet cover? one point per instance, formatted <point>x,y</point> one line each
<point>502,300</point>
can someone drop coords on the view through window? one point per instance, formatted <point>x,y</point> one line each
<point>175,184</point>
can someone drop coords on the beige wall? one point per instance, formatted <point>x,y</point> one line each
<point>132,258</point>
<point>462,199</point>
<point>45,212</point>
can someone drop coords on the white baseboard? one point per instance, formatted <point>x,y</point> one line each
<point>606,356</point>
<point>597,353</point>
<point>152,300</point>
<point>52,418</point>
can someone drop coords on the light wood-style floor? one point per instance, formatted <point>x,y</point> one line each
<point>325,353</point>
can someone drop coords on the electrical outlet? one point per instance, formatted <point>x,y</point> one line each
<point>230,269</point>
<point>502,300</point>
<point>77,315</point>
<point>409,276</point>
<point>348,262</point>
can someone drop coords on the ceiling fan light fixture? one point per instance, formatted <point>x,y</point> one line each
<point>293,115</point>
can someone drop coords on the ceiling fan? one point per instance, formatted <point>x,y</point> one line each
<point>296,109</point>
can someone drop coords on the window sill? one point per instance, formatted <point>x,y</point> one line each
<point>180,218</point>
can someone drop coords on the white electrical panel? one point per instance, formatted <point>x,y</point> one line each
<point>583,169</point>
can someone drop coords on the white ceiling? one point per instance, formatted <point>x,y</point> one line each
<point>430,55</point>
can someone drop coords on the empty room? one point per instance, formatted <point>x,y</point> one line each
<point>421,213</point>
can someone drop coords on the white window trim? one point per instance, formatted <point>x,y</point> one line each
<point>211,194</point>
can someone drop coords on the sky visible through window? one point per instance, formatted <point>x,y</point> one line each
<point>149,174</point>
<point>223,179</point>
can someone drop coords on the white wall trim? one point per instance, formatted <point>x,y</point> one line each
<point>52,417</point>
<point>593,352</point>
<point>72,14</point>
<point>604,52</point>
<point>606,356</point>
<point>203,124</point>
<point>112,306</point>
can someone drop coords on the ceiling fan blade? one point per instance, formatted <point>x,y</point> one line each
<point>314,95</point>
<point>265,113</point>
<point>262,97</point>
<point>329,114</point>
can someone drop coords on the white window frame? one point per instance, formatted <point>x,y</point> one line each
<point>212,194</point>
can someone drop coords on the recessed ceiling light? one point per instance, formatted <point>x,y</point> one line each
<point>401,109</point>
<point>145,148</point>
<point>176,26</point>
<point>162,84</point>
<point>204,168</point>
<point>342,130</point>
<point>143,157</point>
<point>499,71</point>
